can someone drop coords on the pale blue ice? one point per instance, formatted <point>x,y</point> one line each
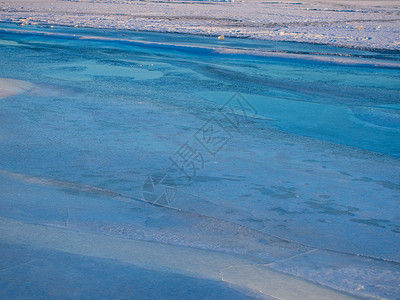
<point>304,178</point>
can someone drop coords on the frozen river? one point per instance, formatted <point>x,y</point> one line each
<point>223,169</point>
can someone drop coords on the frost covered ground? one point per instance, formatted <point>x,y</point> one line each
<point>143,165</point>
<point>372,24</point>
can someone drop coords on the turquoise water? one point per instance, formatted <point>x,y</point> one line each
<point>307,160</point>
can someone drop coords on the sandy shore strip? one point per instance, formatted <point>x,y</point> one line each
<point>11,87</point>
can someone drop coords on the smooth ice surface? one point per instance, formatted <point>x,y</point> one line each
<point>303,179</point>
<point>60,273</point>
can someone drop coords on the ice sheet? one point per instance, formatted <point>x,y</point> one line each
<point>61,274</point>
<point>289,193</point>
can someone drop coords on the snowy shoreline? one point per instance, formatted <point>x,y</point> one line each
<point>357,24</point>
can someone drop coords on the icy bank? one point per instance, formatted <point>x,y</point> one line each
<point>365,24</point>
